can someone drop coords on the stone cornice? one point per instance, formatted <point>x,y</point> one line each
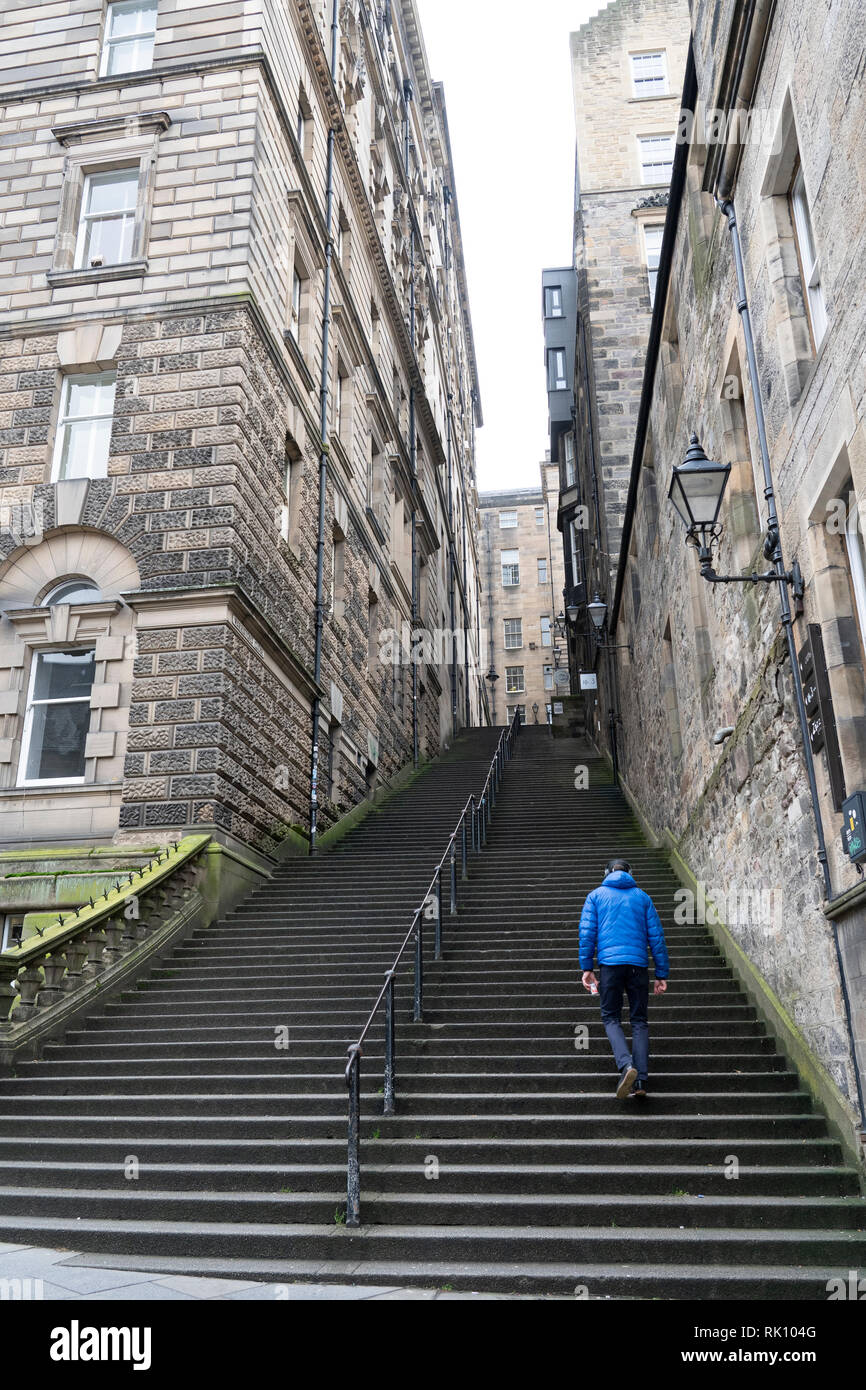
<point>176,607</point>
<point>660,199</point>
<point>106,127</point>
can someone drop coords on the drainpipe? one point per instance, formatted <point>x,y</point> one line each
<point>323,453</point>
<point>413,436</point>
<point>773,544</point>
<point>451,572</point>
<point>592,466</point>
<point>488,538</point>
<point>612,676</point>
<point>467,700</point>
<point>773,553</point>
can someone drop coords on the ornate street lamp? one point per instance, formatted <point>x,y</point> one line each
<point>597,611</point>
<point>697,491</point>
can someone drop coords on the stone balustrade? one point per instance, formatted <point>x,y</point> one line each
<point>80,948</point>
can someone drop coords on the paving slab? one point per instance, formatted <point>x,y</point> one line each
<point>68,1276</point>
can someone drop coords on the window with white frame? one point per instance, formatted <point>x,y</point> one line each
<point>556,370</point>
<point>130,33</point>
<point>342,426</point>
<point>513,634</point>
<point>297,300</point>
<point>507,521</point>
<point>649,74</point>
<point>290,514</point>
<point>515,683</point>
<point>656,153</point>
<point>510,568</point>
<point>569,460</point>
<point>57,721</point>
<point>12,931</point>
<point>856,556</point>
<point>539,516</point>
<point>553,302</point>
<point>810,264</point>
<point>548,677</point>
<point>519,710</point>
<point>84,426</point>
<point>542,569</point>
<point>546,634</point>
<point>653,235</point>
<point>106,226</point>
<point>574,546</point>
<point>72,591</point>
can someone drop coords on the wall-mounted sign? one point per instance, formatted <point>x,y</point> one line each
<point>854,828</point>
<point>558,707</point>
<point>561,678</point>
<point>588,680</point>
<point>819,709</point>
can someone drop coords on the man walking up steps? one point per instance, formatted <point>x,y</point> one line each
<point>620,922</point>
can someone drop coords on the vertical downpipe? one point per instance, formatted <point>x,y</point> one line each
<point>466,631</point>
<point>413,437</point>
<point>323,453</point>
<point>451,575</point>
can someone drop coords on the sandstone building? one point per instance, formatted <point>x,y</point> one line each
<point>523,582</point>
<point>627,76</point>
<point>235,354</point>
<point>710,744</point>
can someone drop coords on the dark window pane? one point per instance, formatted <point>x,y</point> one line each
<point>57,741</point>
<point>63,675</point>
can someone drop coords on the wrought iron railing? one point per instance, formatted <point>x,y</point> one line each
<point>470,834</point>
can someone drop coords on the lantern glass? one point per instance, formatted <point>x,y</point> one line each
<point>597,611</point>
<point>698,488</point>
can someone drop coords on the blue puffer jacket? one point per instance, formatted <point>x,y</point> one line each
<point>619,919</point>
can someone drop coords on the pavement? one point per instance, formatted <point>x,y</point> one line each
<point>66,1276</point>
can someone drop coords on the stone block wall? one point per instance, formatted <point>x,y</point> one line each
<point>203,536</point>
<point>739,810</point>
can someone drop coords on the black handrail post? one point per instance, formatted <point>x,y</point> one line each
<point>453,879</point>
<point>484,800</point>
<point>464,874</point>
<point>353,1188</point>
<point>418,1012</point>
<point>390,1046</point>
<point>438,950</point>
<point>493,788</point>
<point>474,828</point>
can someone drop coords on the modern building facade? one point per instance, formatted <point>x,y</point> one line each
<point>239,402</point>
<point>711,746</point>
<point>523,582</point>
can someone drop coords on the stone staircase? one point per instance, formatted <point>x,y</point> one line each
<point>176,1132</point>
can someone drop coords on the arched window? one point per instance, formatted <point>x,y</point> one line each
<point>72,591</point>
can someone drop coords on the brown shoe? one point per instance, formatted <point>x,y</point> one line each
<point>626,1081</point>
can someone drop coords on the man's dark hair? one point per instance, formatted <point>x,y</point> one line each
<point>618,866</point>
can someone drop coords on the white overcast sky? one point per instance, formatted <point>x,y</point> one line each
<point>506,67</point>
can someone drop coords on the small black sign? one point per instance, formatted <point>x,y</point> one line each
<point>819,709</point>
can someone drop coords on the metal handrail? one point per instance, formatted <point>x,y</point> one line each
<point>475,814</point>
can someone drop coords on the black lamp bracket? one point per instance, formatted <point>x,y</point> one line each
<point>703,543</point>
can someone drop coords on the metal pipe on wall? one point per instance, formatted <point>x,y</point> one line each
<point>324,394</point>
<point>413,434</point>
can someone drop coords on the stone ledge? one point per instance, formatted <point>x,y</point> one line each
<point>130,270</point>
